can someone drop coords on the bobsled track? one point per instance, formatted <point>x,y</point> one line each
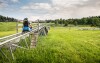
<point>12,42</point>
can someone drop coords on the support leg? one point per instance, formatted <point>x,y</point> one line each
<point>4,55</point>
<point>19,46</point>
<point>26,43</point>
<point>11,52</point>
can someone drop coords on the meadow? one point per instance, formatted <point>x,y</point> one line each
<point>7,28</point>
<point>63,45</point>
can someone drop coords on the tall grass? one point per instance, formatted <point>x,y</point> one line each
<point>63,45</point>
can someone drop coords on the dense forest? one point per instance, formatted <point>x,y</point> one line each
<point>7,19</point>
<point>93,21</point>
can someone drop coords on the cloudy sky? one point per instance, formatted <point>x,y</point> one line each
<point>49,9</point>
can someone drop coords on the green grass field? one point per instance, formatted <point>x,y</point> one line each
<point>5,33</point>
<point>7,28</point>
<point>63,45</point>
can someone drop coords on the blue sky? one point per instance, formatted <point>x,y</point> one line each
<point>12,8</point>
<point>49,9</point>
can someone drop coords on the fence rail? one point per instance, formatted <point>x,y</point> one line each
<point>13,40</point>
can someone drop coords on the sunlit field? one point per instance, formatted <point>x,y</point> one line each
<point>64,45</point>
<point>6,33</point>
<point>49,31</point>
<point>7,28</point>
<point>61,45</point>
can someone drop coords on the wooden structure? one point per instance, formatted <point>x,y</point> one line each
<point>12,41</point>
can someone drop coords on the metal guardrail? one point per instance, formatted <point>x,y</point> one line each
<point>13,40</point>
<point>15,35</point>
<point>9,37</point>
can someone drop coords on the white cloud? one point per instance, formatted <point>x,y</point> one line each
<point>15,1</point>
<point>3,4</point>
<point>65,2</point>
<point>57,9</point>
<point>34,18</point>
<point>65,9</point>
<point>33,6</point>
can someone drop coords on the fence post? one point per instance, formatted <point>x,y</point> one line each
<point>38,26</point>
<point>16,26</point>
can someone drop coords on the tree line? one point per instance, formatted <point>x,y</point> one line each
<point>93,21</point>
<point>7,19</point>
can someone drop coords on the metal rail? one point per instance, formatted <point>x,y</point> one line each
<point>13,40</point>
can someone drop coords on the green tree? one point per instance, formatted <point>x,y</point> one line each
<point>66,23</point>
<point>75,23</point>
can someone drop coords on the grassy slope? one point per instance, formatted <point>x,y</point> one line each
<point>7,28</point>
<point>64,46</point>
